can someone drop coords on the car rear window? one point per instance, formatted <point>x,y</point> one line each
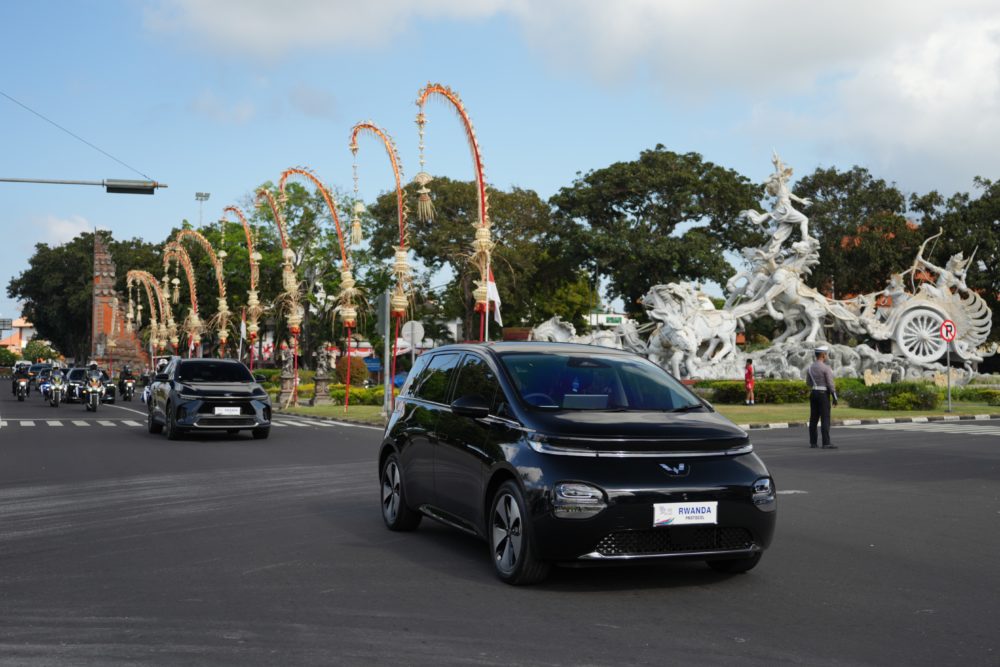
<point>595,382</point>
<point>213,371</point>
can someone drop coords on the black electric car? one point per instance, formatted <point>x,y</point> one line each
<point>205,395</point>
<point>562,453</point>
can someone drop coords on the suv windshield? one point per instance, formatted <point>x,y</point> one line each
<point>595,382</point>
<point>213,371</point>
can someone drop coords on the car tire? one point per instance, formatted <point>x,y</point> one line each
<point>396,514</point>
<point>261,433</point>
<point>151,424</point>
<point>170,425</point>
<point>735,565</point>
<point>511,539</point>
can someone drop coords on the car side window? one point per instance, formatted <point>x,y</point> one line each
<point>475,378</point>
<point>434,381</point>
<point>413,377</point>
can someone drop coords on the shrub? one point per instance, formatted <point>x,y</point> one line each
<point>765,391</point>
<point>993,398</point>
<point>7,358</point>
<point>893,396</point>
<point>970,393</point>
<point>359,372</point>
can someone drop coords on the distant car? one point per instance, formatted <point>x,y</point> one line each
<point>35,369</point>
<point>562,453</point>
<point>205,395</point>
<point>75,379</point>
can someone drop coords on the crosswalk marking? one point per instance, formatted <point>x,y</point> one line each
<point>278,424</point>
<point>967,429</point>
<point>27,422</point>
<point>103,422</point>
<point>304,422</point>
<point>129,422</point>
<point>53,422</point>
<point>80,423</point>
<point>288,422</point>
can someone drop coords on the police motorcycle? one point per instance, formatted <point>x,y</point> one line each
<point>93,389</point>
<point>54,388</point>
<point>22,388</point>
<point>126,384</point>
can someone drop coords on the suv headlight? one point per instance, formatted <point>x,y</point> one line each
<point>575,500</point>
<point>763,493</point>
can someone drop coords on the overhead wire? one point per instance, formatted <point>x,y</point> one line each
<point>75,136</point>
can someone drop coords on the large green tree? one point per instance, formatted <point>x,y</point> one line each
<point>57,287</point>
<point>862,228</point>
<point>530,262</point>
<point>662,217</point>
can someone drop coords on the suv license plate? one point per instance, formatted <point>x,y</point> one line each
<point>228,411</point>
<point>685,514</point>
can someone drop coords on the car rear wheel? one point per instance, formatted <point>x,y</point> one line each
<point>735,565</point>
<point>395,512</point>
<point>511,539</point>
<point>261,433</point>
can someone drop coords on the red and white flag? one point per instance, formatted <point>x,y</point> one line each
<point>493,295</point>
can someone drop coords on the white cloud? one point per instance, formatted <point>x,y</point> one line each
<point>56,231</point>
<point>211,105</point>
<point>313,102</point>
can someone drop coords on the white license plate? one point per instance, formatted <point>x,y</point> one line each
<point>228,411</point>
<point>685,514</point>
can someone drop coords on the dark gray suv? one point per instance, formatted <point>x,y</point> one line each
<point>206,395</point>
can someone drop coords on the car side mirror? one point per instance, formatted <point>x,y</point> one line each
<point>259,379</point>
<point>162,377</point>
<point>471,406</point>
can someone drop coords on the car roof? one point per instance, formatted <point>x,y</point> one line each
<point>537,347</point>
<point>203,360</point>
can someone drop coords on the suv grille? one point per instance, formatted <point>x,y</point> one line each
<point>674,540</point>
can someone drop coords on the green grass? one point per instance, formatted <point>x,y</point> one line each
<point>366,414</point>
<point>799,412</point>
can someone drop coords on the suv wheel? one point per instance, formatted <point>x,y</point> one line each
<point>511,539</point>
<point>261,433</point>
<point>170,425</point>
<point>151,424</point>
<point>395,512</point>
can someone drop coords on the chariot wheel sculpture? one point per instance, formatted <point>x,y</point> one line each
<point>918,335</point>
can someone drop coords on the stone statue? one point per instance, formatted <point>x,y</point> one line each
<point>786,218</point>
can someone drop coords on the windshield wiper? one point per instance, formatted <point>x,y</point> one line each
<point>688,407</point>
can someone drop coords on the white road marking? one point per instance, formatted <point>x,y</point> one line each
<point>279,424</point>
<point>129,422</point>
<point>27,422</point>
<point>53,422</point>
<point>969,429</point>
<point>792,492</point>
<point>289,422</point>
<point>104,422</point>
<point>80,423</point>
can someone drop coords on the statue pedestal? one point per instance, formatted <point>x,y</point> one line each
<point>287,389</point>
<point>322,395</point>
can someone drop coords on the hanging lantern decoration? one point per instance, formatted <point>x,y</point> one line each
<point>425,207</point>
<point>356,234</point>
<point>176,295</point>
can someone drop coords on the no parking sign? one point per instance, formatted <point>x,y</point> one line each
<point>948,330</point>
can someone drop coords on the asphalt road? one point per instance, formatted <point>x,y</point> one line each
<point>119,547</point>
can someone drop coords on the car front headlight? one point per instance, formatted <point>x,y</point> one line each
<point>763,494</point>
<point>575,500</point>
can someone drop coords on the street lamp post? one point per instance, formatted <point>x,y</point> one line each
<point>116,186</point>
<point>202,197</point>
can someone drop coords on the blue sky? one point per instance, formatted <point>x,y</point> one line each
<point>219,96</point>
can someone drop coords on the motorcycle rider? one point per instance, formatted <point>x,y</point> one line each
<point>123,375</point>
<point>20,372</point>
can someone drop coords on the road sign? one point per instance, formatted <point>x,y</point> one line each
<point>374,365</point>
<point>948,330</point>
<point>6,324</point>
<point>412,331</point>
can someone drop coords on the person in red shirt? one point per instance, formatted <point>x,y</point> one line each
<point>748,381</point>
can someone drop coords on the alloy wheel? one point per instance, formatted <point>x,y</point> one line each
<point>390,492</point>
<point>507,532</point>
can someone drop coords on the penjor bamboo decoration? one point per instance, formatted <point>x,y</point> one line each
<point>254,309</point>
<point>482,244</point>
<point>401,269</point>
<point>159,326</point>
<point>193,327</point>
<point>220,321</point>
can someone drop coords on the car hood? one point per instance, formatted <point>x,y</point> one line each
<point>220,390</point>
<point>638,431</point>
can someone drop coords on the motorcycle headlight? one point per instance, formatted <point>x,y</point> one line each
<point>763,494</point>
<point>575,500</point>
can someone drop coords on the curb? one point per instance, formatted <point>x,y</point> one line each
<point>863,422</point>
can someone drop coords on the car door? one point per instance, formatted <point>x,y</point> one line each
<point>460,458</point>
<point>161,393</point>
<point>425,398</point>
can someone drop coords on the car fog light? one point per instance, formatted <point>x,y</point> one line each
<point>763,493</point>
<point>574,500</point>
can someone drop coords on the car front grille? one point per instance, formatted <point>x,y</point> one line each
<point>210,404</point>
<point>209,420</point>
<point>674,540</point>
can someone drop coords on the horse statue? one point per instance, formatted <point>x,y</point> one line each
<point>554,330</point>
<point>680,309</point>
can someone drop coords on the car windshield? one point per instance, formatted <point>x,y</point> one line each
<point>213,371</point>
<point>77,374</point>
<point>595,382</point>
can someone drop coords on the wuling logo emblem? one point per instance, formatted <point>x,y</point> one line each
<point>679,470</point>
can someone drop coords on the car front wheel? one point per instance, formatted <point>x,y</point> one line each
<point>511,539</point>
<point>395,512</point>
<point>170,425</point>
<point>151,424</point>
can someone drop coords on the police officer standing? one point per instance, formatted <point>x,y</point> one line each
<point>819,377</point>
